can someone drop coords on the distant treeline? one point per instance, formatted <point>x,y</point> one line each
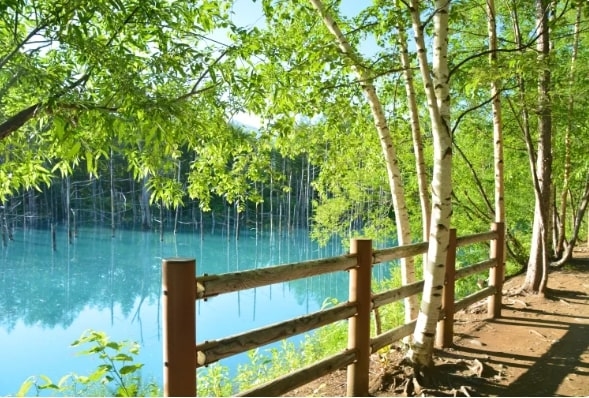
<point>114,199</point>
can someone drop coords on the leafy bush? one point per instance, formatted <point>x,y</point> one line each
<point>117,374</point>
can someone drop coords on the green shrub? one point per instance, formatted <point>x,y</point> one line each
<point>117,375</point>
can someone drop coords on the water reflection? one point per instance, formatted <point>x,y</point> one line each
<point>114,284</point>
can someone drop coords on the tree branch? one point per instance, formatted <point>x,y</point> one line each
<point>477,181</point>
<point>15,50</point>
<point>17,121</point>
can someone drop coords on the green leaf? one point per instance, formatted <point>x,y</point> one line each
<point>89,163</point>
<point>73,151</point>
<point>114,345</point>
<point>25,387</point>
<point>122,357</point>
<point>82,379</point>
<point>63,380</point>
<point>130,368</point>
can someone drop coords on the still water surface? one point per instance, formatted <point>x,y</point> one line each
<point>114,285</point>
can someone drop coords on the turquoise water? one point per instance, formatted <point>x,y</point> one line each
<point>114,285</point>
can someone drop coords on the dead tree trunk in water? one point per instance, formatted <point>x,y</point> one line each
<point>161,221</point>
<point>144,205</point>
<point>112,195</point>
<point>67,208</point>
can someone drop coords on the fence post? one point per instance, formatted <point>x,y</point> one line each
<point>496,273</point>
<point>179,326</point>
<point>445,329</point>
<point>359,325</point>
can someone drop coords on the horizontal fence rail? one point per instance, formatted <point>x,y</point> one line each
<point>212,351</point>
<point>179,289</point>
<point>213,285</point>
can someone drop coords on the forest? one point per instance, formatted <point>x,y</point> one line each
<point>388,119</point>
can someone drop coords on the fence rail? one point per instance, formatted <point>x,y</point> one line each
<point>181,289</point>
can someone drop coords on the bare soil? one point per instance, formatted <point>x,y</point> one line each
<point>539,347</point>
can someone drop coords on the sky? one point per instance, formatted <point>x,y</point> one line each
<point>248,13</point>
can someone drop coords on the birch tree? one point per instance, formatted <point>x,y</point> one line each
<point>436,86</point>
<point>497,119</point>
<point>421,173</point>
<point>388,149</point>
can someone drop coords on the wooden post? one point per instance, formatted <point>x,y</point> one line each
<point>179,326</point>
<point>359,325</point>
<point>445,329</point>
<point>496,273</point>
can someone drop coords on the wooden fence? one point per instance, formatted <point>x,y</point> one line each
<point>180,288</point>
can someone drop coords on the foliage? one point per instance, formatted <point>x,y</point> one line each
<point>81,82</point>
<point>270,363</point>
<point>214,381</point>
<point>157,84</point>
<point>117,375</point>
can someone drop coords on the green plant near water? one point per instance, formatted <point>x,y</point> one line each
<point>268,364</point>
<point>271,363</point>
<point>117,374</point>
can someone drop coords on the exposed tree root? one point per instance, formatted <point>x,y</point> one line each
<point>451,379</point>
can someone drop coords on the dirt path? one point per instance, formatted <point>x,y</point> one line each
<point>539,347</point>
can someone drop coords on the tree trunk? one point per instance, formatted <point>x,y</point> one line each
<point>568,251</point>
<point>537,272</point>
<point>438,98</point>
<point>144,204</point>
<point>67,208</point>
<point>422,182</point>
<point>112,194</point>
<point>411,303</point>
<point>388,148</point>
<point>497,119</point>
<point>567,140</point>
<point>177,209</point>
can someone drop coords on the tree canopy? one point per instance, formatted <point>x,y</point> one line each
<point>157,83</point>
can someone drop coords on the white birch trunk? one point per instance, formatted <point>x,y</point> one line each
<point>422,182</point>
<point>411,303</point>
<point>497,119</point>
<point>437,92</point>
<point>393,172</point>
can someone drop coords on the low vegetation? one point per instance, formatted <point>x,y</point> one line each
<point>119,374</point>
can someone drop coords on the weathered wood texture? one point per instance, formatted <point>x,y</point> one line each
<point>390,296</point>
<point>445,328</point>
<point>303,376</point>
<point>475,268</point>
<point>179,327</point>
<point>395,253</point>
<point>359,324</point>
<point>496,274</point>
<point>212,285</point>
<point>475,238</point>
<point>215,350</point>
<point>356,309</point>
<point>473,298</point>
<point>382,340</point>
